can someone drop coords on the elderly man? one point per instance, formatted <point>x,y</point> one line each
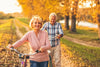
<point>55,32</point>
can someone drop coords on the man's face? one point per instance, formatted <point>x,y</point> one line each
<point>52,20</point>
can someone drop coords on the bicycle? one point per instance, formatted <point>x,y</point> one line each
<point>23,57</point>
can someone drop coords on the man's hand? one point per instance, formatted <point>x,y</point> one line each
<point>59,36</point>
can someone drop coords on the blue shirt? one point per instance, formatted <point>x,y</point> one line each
<point>53,31</point>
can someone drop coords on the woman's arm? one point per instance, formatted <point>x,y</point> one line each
<point>21,41</point>
<point>47,42</point>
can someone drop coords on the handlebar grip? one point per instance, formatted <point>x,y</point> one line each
<point>12,48</point>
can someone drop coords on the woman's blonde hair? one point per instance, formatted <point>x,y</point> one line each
<point>33,18</point>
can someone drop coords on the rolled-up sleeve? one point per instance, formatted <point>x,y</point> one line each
<point>60,29</point>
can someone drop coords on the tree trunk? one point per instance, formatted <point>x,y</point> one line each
<point>73,15</point>
<point>67,22</point>
<point>98,16</point>
<point>98,25</point>
<point>99,31</point>
<point>73,23</point>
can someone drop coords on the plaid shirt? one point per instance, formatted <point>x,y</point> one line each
<point>53,31</point>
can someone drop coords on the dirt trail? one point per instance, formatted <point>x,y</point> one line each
<point>25,26</point>
<point>24,48</point>
<point>17,30</point>
<point>91,44</point>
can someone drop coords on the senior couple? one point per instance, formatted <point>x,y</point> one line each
<point>43,38</point>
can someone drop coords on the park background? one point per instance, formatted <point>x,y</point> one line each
<point>80,20</point>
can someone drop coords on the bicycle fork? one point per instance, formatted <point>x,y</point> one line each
<point>23,62</point>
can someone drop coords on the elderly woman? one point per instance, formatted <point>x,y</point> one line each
<point>38,41</point>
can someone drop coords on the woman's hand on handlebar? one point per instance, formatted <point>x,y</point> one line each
<point>42,49</point>
<point>9,46</point>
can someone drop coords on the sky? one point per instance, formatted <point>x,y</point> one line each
<point>10,6</point>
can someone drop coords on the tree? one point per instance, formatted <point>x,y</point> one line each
<point>65,7</point>
<point>39,7</point>
<point>66,13</point>
<point>98,15</point>
<point>74,7</point>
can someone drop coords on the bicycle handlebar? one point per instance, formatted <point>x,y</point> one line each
<point>13,49</point>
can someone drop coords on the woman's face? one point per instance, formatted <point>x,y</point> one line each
<point>36,24</point>
<point>52,20</point>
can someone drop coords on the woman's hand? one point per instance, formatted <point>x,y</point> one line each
<point>9,46</point>
<point>42,49</point>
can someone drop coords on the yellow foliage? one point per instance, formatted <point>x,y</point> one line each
<point>39,7</point>
<point>66,50</point>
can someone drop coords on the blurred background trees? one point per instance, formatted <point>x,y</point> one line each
<point>74,10</point>
<point>5,16</point>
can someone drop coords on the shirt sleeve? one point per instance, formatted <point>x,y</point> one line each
<point>60,29</point>
<point>44,27</point>
<point>21,41</point>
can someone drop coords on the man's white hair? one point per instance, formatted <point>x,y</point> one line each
<point>52,14</point>
<point>33,18</point>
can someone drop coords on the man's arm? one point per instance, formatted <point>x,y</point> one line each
<point>43,27</point>
<point>60,31</point>
<point>59,36</point>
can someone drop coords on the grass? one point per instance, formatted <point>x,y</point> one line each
<point>84,33</point>
<point>89,55</point>
<point>5,27</point>
<point>23,30</point>
<point>25,20</point>
<point>2,21</point>
<point>7,32</point>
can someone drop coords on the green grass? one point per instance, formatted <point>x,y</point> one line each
<point>87,35</point>
<point>23,30</point>
<point>89,55</point>
<point>25,20</point>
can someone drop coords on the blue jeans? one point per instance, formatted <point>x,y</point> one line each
<point>38,64</point>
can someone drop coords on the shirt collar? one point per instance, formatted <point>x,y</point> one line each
<point>54,23</point>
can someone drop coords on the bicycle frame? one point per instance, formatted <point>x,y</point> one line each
<point>23,57</point>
